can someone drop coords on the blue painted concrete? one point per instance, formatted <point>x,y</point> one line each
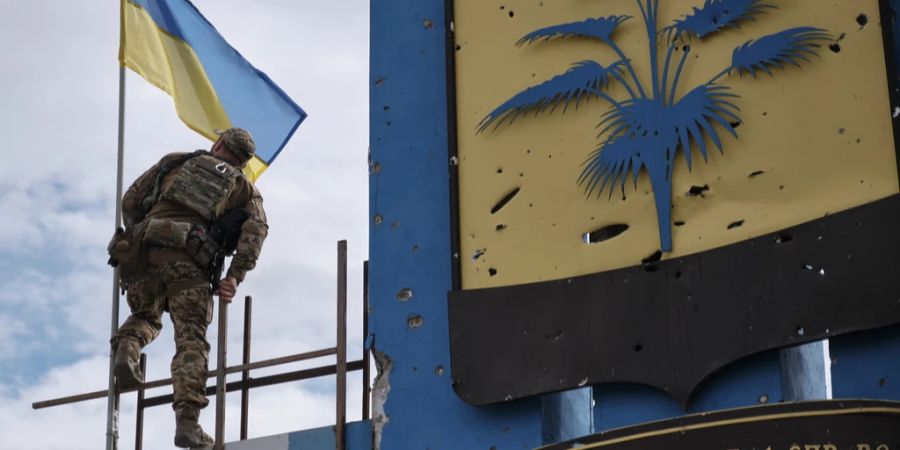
<point>410,246</point>
<point>359,437</point>
<point>754,380</point>
<point>867,364</point>
<point>567,415</point>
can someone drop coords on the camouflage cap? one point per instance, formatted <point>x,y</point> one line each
<point>239,142</point>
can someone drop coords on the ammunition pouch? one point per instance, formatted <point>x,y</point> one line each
<point>203,249</point>
<point>167,233</point>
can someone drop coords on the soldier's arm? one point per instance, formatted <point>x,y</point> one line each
<point>131,200</point>
<point>253,234</point>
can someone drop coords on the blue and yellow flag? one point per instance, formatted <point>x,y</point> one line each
<point>171,45</point>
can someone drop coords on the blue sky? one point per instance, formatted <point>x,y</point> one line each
<point>57,190</point>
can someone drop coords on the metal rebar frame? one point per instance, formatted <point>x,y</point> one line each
<point>341,400</point>
<point>221,387</point>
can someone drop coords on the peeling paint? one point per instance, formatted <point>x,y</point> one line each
<point>384,365</point>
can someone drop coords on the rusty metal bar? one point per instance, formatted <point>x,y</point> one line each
<point>341,365</point>
<point>245,374</point>
<point>367,355</point>
<point>168,381</point>
<point>139,421</point>
<point>220,373</point>
<point>270,380</point>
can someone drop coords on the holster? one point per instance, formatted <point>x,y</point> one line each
<point>126,252</point>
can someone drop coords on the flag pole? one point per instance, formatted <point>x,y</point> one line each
<point>112,406</point>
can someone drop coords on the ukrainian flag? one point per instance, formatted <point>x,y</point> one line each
<point>171,45</point>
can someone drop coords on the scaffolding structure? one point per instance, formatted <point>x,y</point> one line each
<point>339,369</point>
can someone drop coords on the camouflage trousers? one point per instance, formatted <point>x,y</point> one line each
<point>173,283</point>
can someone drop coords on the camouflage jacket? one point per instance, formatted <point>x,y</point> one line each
<point>244,195</point>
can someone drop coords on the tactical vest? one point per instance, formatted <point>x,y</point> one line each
<point>202,184</point>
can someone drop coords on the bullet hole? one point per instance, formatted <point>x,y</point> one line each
<point>502,7</point>
<point>395,224</point>
<point>862,20</point>
<point>405,294</point>
<point>506,199</point>
<point>521,175</point>
<point>415,369</point>
<point>841,130</point>
<point>638,347</point>
<point>806,267</point>
<point>439,370</point>
<point>783,239</point>
<point>764,398</point>
<point>698,191</point>
<point>822,272</point>
<point>415,248</point>
<point>428,24</point>
<point>604,234</point>
<point>378,219</point>
<point>735,224</point>
<point>375,168</point>
<point>765,113</point>
<point>800,331</point>
<point>492,272</point>
<point>679,223</point>
<point>756,174</point>
<point>677,274</point>
<point>379,81</point>
<point>555,337</point>
<point>835,47</point>
<point>511,14</point>
<point>414,321</point>
<point>781,188</point>
<point>882,382</point>
<point>500,227</point>
<point>458,47</point>
<point>499,170</point>
<point>388,123</point>
<point>649,263</point>
<point>654,258</point>
<point>735,124</point>
<point>454,161</point>
<point>478,254</point>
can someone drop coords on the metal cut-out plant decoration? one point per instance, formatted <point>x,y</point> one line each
<point>649,128</point>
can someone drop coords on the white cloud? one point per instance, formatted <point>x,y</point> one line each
<point>56,198</point>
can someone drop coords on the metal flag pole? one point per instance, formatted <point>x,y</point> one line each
<point>112,405</point>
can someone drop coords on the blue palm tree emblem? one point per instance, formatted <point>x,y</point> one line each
<point>645,131</point>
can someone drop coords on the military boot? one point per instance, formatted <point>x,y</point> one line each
<point>188,433</point>
<point>127,366</point>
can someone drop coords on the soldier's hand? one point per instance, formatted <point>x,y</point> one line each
<point>227,289</point>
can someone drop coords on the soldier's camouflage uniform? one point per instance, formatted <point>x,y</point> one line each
<point>170,280</point>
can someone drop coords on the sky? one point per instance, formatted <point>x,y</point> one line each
<point>58,116</point>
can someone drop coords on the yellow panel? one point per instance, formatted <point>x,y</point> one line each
<point>821,134</point>
<point>171,65</point>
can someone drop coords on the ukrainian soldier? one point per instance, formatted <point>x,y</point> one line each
<point>181,217</point>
